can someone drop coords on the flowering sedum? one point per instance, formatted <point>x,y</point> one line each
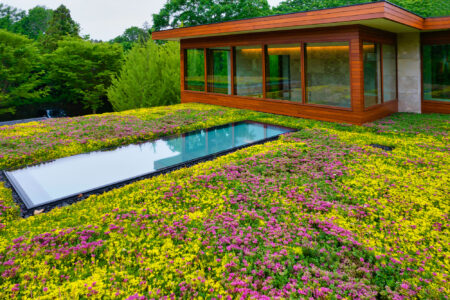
<point>318,213</point>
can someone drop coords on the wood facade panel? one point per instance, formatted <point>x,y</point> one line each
<point>352,13</point>
<point>325,16</point>
<point>440,23</point>
<point>293,109</point>
<point>331,34</point>
<point>439,107</point>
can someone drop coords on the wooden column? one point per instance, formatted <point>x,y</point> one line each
<point>264,69</point>
<point>182,69</point>
<point>233,70</point>
<point>303,70</point>
<point>205,54</point>
<point>356,74</point>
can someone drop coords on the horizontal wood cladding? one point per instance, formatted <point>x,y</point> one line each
<point>440,23</point>
<point>379,111</point>
<point>437,37</point>
<point>353,13</point>
<point>333,15</point>
<point>333,34</point>
<point>439,107</point>
<point>377,36</point>
<point>322,113</point>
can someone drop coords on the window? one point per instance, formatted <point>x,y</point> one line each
<point>389,73</point>
<point>195,70</point>
<point>372,74</point>
<point>328,74</point>
<point>249,77</point>
<point>283,72</point>
<point>219,70</point>
<point>436,72</point>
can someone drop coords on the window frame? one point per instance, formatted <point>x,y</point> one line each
<point>380,43</point>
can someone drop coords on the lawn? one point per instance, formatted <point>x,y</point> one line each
<point>318,213</point>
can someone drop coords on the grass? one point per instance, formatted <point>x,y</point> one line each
<point>318,213</point>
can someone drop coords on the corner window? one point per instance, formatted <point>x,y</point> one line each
<point>249,71</point>
<point>436,72</point>
<point>372,74</point>
<point>328,74</point>
<point>283,72</point>
<point>219,70</point>
<point>195,70</point>
<point>389,73</point>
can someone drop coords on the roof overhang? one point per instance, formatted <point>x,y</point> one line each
<point>381,15</point>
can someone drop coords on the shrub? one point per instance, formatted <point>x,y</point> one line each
<point>149,77</point>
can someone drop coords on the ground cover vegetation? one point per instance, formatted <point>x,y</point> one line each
<point>317,213</point>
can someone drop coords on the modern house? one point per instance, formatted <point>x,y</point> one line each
<point>351,64</point>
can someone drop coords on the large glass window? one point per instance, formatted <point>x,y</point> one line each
<point>283,76</point>
<point>372,74</point>
<point>389,73</point>
<point>219,70</point>
<point>328,74</point>
<point>436,72</point>
<point>249,77</point>
<point>195,70</point>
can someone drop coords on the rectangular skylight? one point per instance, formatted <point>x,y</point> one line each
<point>70,176</point>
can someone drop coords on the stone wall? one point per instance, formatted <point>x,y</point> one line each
<point>409,80</point>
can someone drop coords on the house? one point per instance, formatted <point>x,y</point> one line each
<point>352,64</point>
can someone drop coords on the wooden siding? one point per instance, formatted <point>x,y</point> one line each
<point>440,23</point>
<point>281,107</point>
<point>440,107</point>
<point>353,13</point>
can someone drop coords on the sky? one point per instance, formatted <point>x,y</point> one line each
<point>104,19</point>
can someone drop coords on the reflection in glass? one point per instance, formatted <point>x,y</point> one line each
<point>219,70</point>
<point>249,77</point>
<point>436,72</point>
<point>372,74</point>
<point>195,70</point>
<point>283,79</point>
<point>389,73</point>
<point>71,176</point>
<point>328,74</point>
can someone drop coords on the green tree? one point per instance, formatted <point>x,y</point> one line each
<point>424,8</point>
<point>150,77</point>
<point>80,71</point>
<point>179,13</point>
<point>61,24</point>
<point>131,36</point>
<point>35,23</point>
<point>9,16</point>
<point>20,72</point>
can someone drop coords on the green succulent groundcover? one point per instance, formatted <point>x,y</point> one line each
<point>318,213</point>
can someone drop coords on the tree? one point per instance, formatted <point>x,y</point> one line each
<point>131,36</point>
<point>61,24</point>
<point>80,71</point>
<point>35,23</point>
<point>425,8</point>
<point>179,13</point>
<point>20,72</point>
<point>9,16</point>
<point>150,77</point>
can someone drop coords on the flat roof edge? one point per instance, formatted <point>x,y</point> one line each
<point>365,11</point>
